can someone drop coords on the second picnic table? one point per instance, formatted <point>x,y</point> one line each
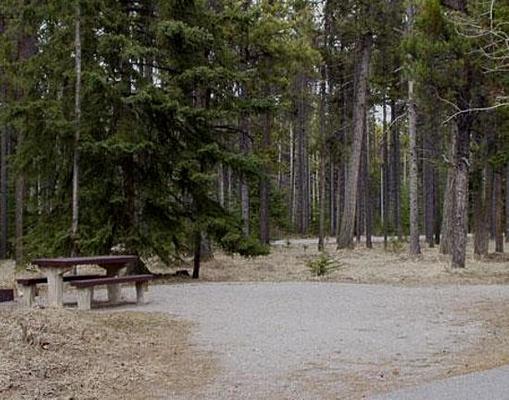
<point>54,268</point>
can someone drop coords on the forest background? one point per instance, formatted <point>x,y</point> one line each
<point>173,128</point>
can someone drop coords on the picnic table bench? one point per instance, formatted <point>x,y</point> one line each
<point>54,268</point>
<point>86,287</point>
<point>28,285</point>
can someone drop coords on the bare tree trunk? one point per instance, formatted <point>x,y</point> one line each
<point>481,197</point>
<point>265,183</point>
<point>345,238</point>
<point>26,49</point>
<point>499,212</point>
<point>4,138</point>
<point>367,191</point>
<point>302,164</point>
<point>415,247</point>
<point>430,180</point>
<point>385,173</point>
<point>19,209</point>
<point>321,186</point>
<point>4,132</point>
<point>459,223</point>
<point>197,254</point>
<point>507,203</point>
<point>77,115</point>
<point>396,172</point>
<point>244,187</point>
<point>449,198</point>
<point>220,185</point>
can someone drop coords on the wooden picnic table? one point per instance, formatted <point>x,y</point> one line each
<point>54,269</point>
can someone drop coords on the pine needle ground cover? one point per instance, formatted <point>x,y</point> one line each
<point>50,354</point>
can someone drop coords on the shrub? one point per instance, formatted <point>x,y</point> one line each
<point>322,265</point>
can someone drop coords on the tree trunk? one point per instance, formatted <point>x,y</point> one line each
<point>430,181</point>
<point>507,203</point>
<point>245,147</point>
<point>385,173</point>
<point>264,182</point>
<point>302,168</point>
<point>345,238</point>
<point>77,116</point>
<point>26,49</point>
<point>415,247</point>
<point>481,197</point>
<point>321,185</point>
<point>4,132</point>
<point>4,138</point>
<point>459,222</point>
<point>449,198</point>
<point>499,212</point>
<point>396,172</point>
<point>197,254</point>
<point>367,191</point>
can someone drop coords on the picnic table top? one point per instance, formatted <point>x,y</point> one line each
<point>94,260</point>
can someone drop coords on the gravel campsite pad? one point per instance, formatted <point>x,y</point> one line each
<point>331,340</point>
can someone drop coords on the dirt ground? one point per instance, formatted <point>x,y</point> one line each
<point>115,355</point>
<point>288,262</point>
<point>66,354</point>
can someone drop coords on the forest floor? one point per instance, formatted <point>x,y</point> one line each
<point>66,354</point>
<point>289,260</point>
<point>236,333</point>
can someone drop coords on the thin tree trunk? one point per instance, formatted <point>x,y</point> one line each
<point>345,238</point>
<point>367,191</point>
<point>415,247</point>
<point>507,203</point>
<point>385,173</point>
<point>197,254</point>
<point>499,212</point>
<point>481,197</point>
<point>321,186</point>
<point>4,132</point>
<point>449,198</point>
<point>265,183</point>
<point>220,185</point>
<point>4,138</point>
<point>396,171</point>
<point>77,115</point>
<point>244,188</point>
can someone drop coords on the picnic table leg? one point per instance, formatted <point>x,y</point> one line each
<point>113,290</point>
<point>55,287</point>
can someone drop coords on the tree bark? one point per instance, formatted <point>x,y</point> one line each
<point>321,185</point>
<point>415,247</point>
<point>4,132</point>
<point>77,116</point>
<point>481,197</point>
<point>245,147</point>
<point>507,203</point>
<point>4,139</point>
<point>459,221</point>
<point>385,173</point>
<point>367,188</point>
<point>26,49</point>
<point>396,172</point>
<point>345,238</point>
<point>499,212</point>
<point>265,183</point>
<point>197,254</point>
<point>449,198</point>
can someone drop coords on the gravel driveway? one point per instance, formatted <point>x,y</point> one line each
<point>325,340</point>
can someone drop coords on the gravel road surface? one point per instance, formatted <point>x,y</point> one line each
<point>488,385</point>
<point>323,340</point>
